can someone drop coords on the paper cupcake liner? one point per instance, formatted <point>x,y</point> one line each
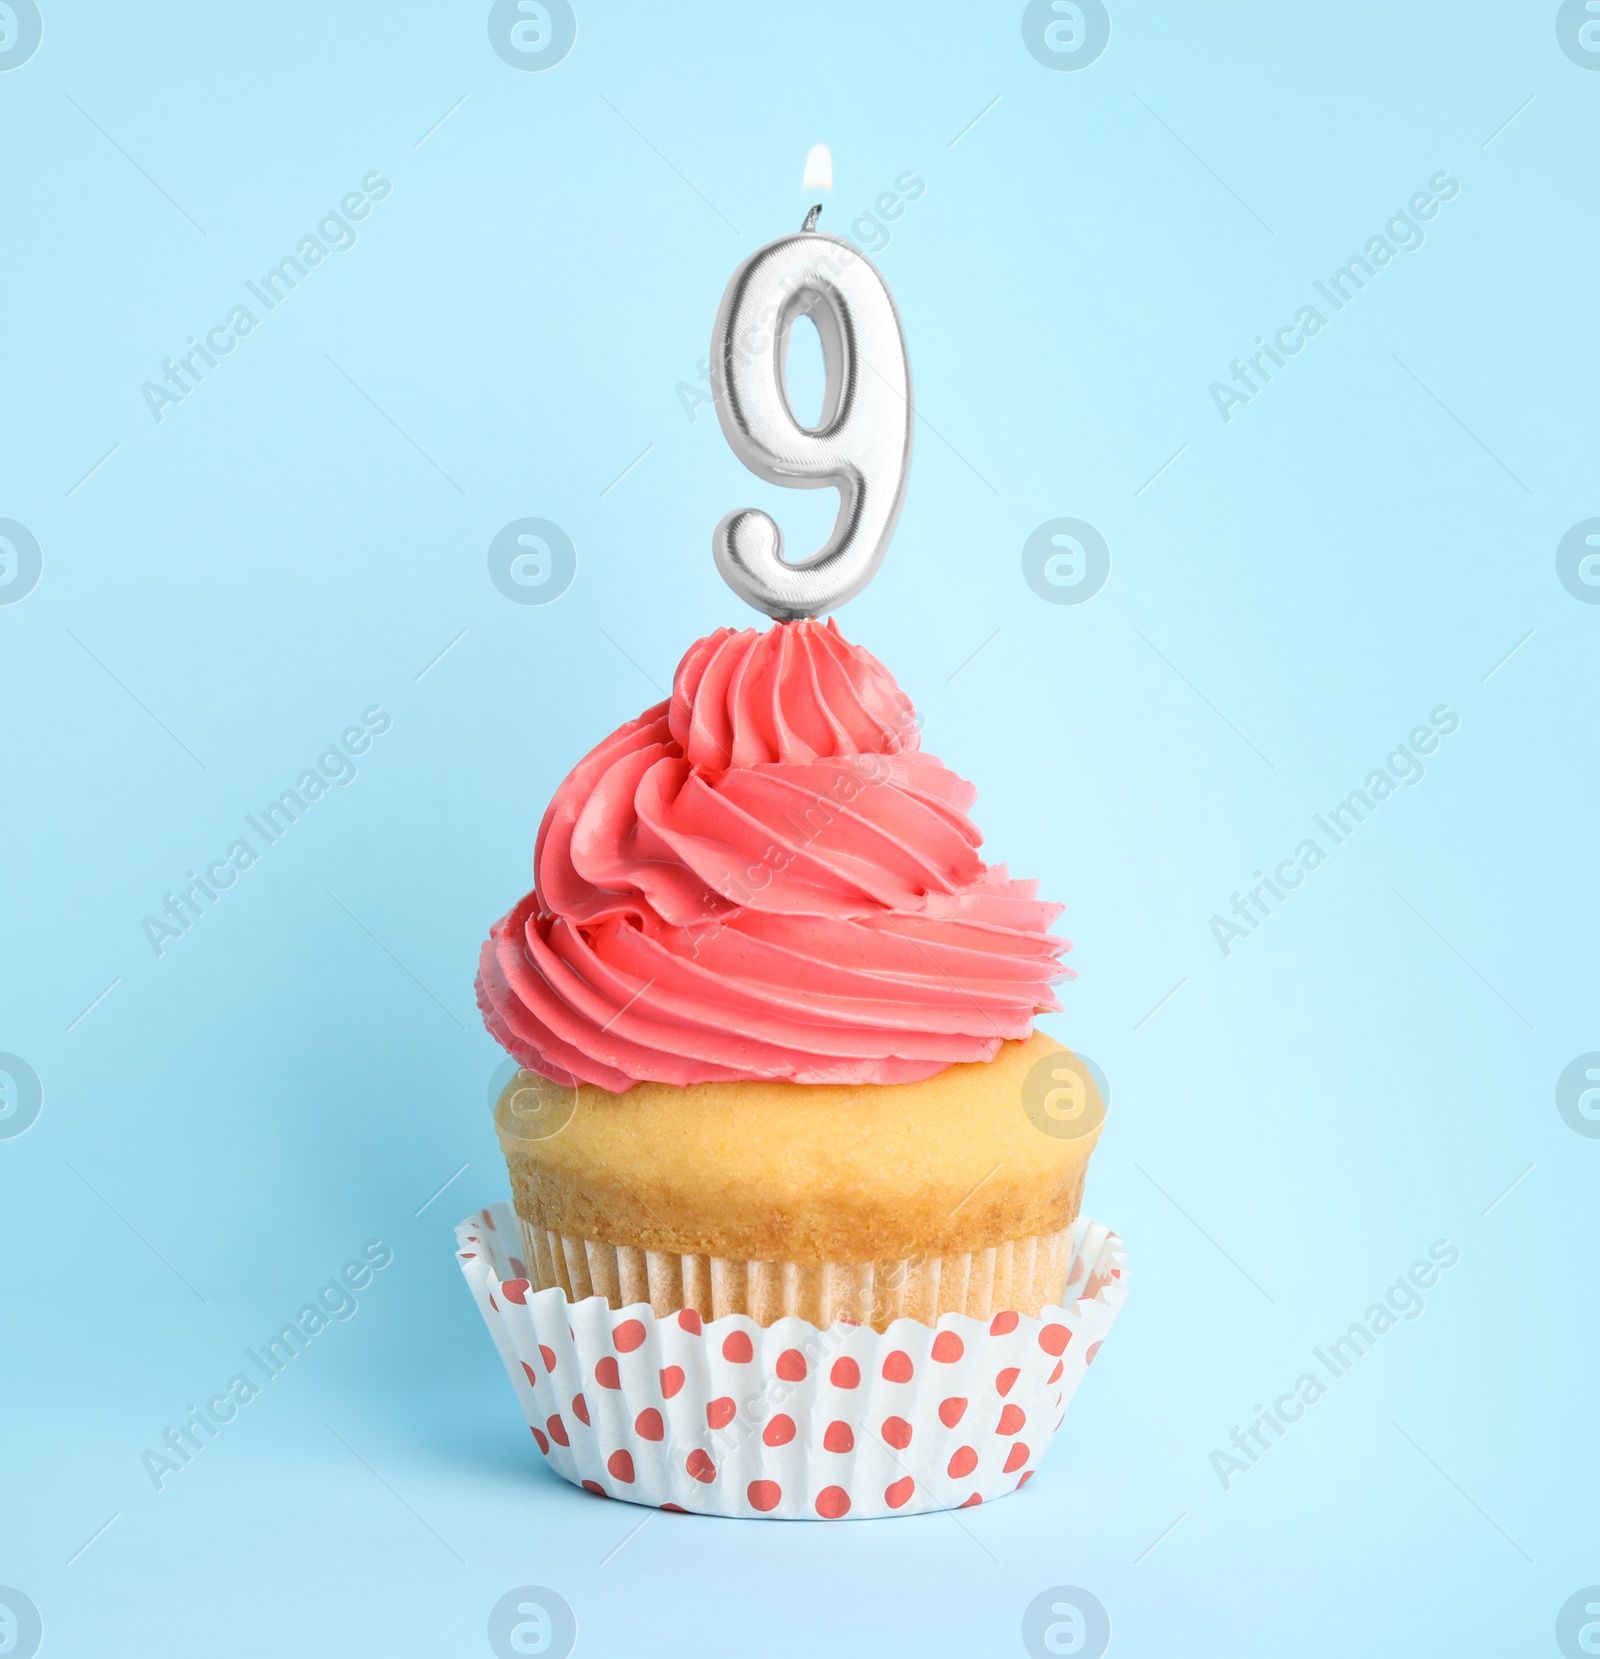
<point>1023,1274</point>
<point>789,1420</point>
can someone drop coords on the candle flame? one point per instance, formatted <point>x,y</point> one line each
<point>819,169</point>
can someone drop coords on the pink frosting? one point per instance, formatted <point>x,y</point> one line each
<point>765,878</point>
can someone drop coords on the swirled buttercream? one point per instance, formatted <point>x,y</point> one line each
<point>765,877</point>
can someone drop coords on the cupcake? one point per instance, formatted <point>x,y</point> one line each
<point>774,1015</point>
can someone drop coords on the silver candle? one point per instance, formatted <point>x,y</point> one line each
<point>861,446</point>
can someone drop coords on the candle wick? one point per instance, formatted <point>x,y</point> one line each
<point>812,217</point>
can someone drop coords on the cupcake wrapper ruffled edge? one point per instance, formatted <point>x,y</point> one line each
<point>789,1421</point>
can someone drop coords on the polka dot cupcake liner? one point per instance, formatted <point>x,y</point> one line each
<point>789,1421</point>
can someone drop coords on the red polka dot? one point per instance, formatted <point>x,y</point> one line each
<point>897,1367</point>
<point>897,1431</point>
<point>648,1425</point>
<point>595,1487</point>
<point>544,1445</point>
<point>1054,1338</point>
<point>1027,1476</point>
<point>518,1267</point>
<point>779,1430</point>
<point>628,1336</point>
<point>1088,1358</point>
<point>948,1347</point>
<point>720,1412</point>
<point>532,1375</point>
<point>620,1464</point>
<point>962,1462</point>
<point>1011,1420</point>
<point>558,1431</point>
<point>678,1509</point>
<point>580,1408</point>
<point>689,1320</point>
<point>845,1374</point>
<point>699,1464</point>
<point>840,1437</point>
<point>736,1346</point>
<point>764,1495</point>
<point>967,1503</point>
<point>899,1494</point>
<point>832,1502</point>
<point>605,1372</point>
<point>516,1290</point>
<point>492,1303</point>
<point>1006,1379</point>
<point>792,1365</point>
<point>951,1410</point>
<point>1055,1375</point>
<point>1015,1458</point>
<point>1002,1324</point>
<point>671,1381</point>
<point>548,1356</point>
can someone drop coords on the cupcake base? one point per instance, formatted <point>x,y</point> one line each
<point>1023,1275</point>
<point>713,1187</point>
<point>789,1419</point>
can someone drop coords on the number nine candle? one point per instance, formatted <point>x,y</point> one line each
<point>861,445</point>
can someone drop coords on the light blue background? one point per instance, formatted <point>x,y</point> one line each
<point>304,535</point>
